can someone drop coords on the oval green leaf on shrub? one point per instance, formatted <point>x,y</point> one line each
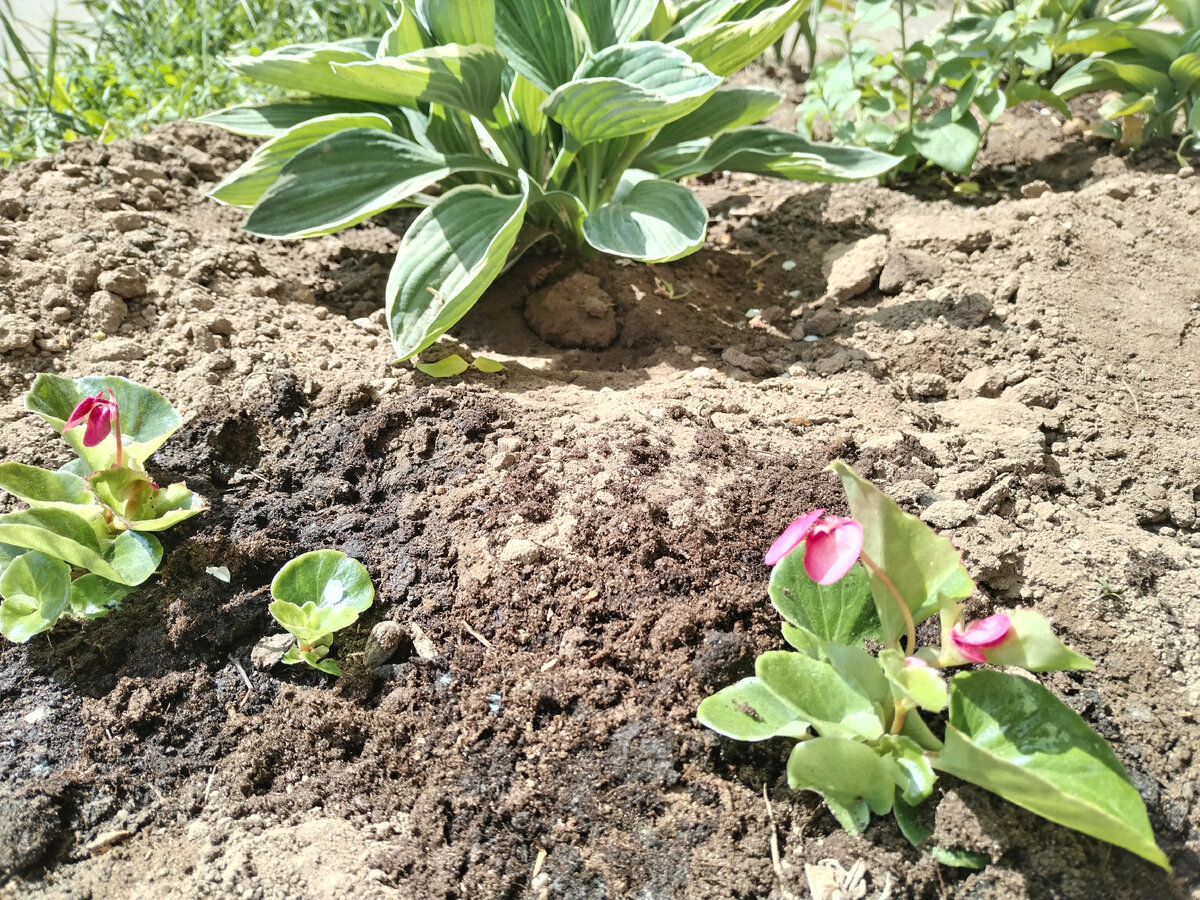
<point>630,89</point>
<point>648,219</point>
<point>464,76</point>
<point>842,612</point>
<point>147,419</point>
<point>854,780</point>
<point>1011,736</point>
<point>36,589</point>
<point>350,176</point>
<point>750,711</point>
<point>246,184</point>
<point>448,257</point>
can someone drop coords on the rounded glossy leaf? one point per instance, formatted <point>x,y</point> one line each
<point>833,705</point>
<point>147,419</point>
<point>36,589</point>
<point>649,220</point>
<point>750,711</point>
<point>842,612</point>
<point>630,89</point>
<point>448,257</point>
<point>92,596</point>
<point>947,142</point>
<point>1011,736</point>
<point>328,578</point>
<point>853,778</point>
<point>129,559</point>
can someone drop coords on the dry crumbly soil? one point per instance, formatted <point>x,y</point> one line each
<point>571,549</point>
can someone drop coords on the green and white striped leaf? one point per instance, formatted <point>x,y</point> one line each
<point>307,67</point>
<point>648,220</point>
<point>246,184</point>
<point>406,35</point>
<point>1185,72</point>
<point>350,176</point>
<point>459,21</point>
<point>271,120</point>
<point>762,150</point>
<point>610,22</point>
<point>727,109</point>
<point>448,257</point>
<point>726,47</point>
<point>36,589</point>
<point>465,76</point>
<point>542,39</point>
<point>527,99</point>
<point>630,89</point>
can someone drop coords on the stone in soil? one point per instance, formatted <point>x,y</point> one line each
<point>574,313</point>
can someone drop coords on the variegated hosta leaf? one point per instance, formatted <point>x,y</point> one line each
<point>726,47</point>
<point>649,220</point>
<point>270,120</point>
<point>448,257</point>
<point>406,35</point>
<point>307,67</point>
<point>610,22</point>
<point>542,39</point>
<point>459,21</point>
<point>348,177</point>
<point>761,150</point>
<point>630,89</point>
<point>727,109</point>
<point>246,184</point>
<point>465,76</point>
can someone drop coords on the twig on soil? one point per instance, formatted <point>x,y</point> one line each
<point>1137,407</point>
<point>537,864</point>
<point>245,680</point>
<point>774,836</point>
<point>475,634</point>
<point>208,786</point>
<point>754,264</point>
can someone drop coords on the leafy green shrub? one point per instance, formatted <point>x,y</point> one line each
<point>127,65</point>
<point>513,121</point>
<point>863,742</point>
<point>317,594</point>
<point>88,537</point>
<point>925,100</point>
<point>1156,73</point>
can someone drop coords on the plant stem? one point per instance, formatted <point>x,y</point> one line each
<point>632,149</point>
<point>898,719</point>
<point>910,627</point>
<point>116,426</point>
<point>562,163</point>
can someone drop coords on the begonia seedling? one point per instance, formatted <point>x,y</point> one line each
<point>863,742</point>
<point>317,594</point>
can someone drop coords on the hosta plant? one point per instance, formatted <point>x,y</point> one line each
<point>511,121</point>
<point>316,595</point>
<point>87,538</point>
<point>874,729</point>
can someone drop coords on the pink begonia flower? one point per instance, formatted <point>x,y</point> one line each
<point>833,545</point>
<point>978,636</point>
<point>99,413</point>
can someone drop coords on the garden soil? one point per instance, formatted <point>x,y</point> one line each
<point>569,552</point>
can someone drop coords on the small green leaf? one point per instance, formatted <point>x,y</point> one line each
<point>648,219</point>
<point>854,780</point>
<point>913,772</point>
<point>542,39</point>
<point>1011,736</point>
<point>762,150</point>
<point>1031,644</point>
<point>1027,91</point>
<point>446,367</point>
<point>465,76</point>
<point>630,89</point>
<point>350,176</point>
<point>922,685</point>
<point>448,257</point>
<point>246,184</point>
<point>487,364</point>
<point>318,593</point>
<point>36,589</point>
<point>137,502</point>
<point>923,566</point>
<point>92,596</point>
<point>725,47</point>
<point>750,711</point>
<point>147,419</point>
<point>272,120</point>
<point>820,694</point>
<point>948,142</point>
<point>41,487</point>
<point>842,612</point>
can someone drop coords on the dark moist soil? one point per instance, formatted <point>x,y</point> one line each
<point>572,549</point>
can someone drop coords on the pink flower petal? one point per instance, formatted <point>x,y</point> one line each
<point>916,661</point>
<point>978,636</point>
<point>833,546</point>
<point>792,537</point>
<point>80,413</point>
<point>99,424</point>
